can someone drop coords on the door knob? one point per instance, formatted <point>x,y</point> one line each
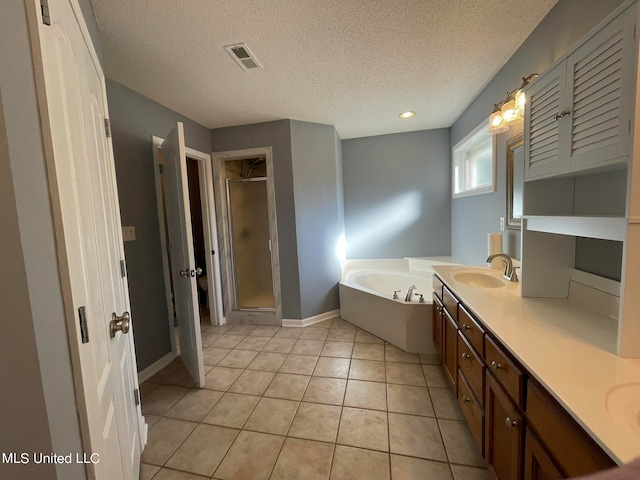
<point>119,323</point>
<point>191,273</point>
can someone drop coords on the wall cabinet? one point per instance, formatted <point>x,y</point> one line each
<point>521,431</point>
<point>577,117</point>
<point>581,193</point>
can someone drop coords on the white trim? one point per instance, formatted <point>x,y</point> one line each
<point>305,322</point>
<point>214,290</point>
<point>263,316</point>
<point>473,138</point>
<point>155,367</point>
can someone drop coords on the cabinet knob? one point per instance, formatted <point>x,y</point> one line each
<point>465,399</point>
<point>562,114</point>
<point>465,356</point>
<point>466,327</point>
<point>510,423</point>
<point>496,366</point>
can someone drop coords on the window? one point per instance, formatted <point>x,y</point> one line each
<point>474,163</point>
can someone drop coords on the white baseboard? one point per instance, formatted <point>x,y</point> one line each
<point>305,322</point>
<point>155,367</point>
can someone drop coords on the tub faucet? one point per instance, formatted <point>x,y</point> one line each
<point>509,270</point>
<point>407,297</point>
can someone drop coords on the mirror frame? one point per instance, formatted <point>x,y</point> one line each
<point>512,145</point>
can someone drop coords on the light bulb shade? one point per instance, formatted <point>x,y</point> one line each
<point>511,114</point>
<point>496,123</point>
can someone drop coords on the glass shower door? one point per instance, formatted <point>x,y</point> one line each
<point>250,243</point>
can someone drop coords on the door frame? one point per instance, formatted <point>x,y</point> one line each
<point>74,334</point>
<point>214,293</point>
<point>248,316</point>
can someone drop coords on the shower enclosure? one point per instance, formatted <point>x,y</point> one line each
<point>251,279</point>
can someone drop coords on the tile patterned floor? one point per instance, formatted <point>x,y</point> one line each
<point>328,401</point>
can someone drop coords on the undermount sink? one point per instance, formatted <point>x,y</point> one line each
<point>622,404</point>
<point>478,279</point>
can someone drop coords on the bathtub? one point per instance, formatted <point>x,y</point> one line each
<point>366,301</point>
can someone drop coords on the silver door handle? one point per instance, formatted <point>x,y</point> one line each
<point>119,323</point>
<point>191,273</point>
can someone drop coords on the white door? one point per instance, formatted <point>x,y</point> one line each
<point>183,268</point>
<point>88,230</point>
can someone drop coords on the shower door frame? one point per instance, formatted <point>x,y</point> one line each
<point>233,313</point>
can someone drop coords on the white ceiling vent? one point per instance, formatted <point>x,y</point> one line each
<point>243,56</point>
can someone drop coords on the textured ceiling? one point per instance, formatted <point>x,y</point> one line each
<point>355,64</point>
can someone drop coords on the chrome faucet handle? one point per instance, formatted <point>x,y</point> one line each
<point>395,294</point>
<point>421,300</point>
<point>514,276</point>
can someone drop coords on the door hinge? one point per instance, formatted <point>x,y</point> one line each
<point>107,127</point>
<point>123,269</point>
<point>44,8</point>
<point>136,396</point>
<point>161,167</point>
<point>84,327</point>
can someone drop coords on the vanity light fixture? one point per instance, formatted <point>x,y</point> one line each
<point>511,110</point>
<point>408,114</point>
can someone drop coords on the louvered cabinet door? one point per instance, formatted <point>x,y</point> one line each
<point>601,87</point>
<point>544,138</point>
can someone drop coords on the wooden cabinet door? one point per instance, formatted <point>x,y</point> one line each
<point>437,324</point>
<point>503,433</point>
<point>538,464</point>
<point>450,344</point>
<point>543,129</point>
<point>600,84</point>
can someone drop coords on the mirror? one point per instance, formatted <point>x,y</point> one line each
<point>515,181</point>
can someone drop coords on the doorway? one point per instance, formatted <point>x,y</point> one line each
<point>205,240</point>
<point>248,236</point>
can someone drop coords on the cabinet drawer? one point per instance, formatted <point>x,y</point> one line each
<point>472,366</point>
<point>471,330</point>
<point>437,286</point>
<point>575,452</point>
<point>505,371</point>
<point>472,410</point>
<point>450,303</point>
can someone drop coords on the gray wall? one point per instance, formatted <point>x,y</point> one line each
<point>474,217</point>
<point>277,135</point>
<point>134,119</point>
<point>38,405</point>
<point>317,211</point>
<point>397,191</point>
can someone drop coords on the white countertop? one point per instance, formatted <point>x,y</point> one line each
<point>568,349</point>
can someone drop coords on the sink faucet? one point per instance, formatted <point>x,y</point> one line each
<point>407,297</point>
<point>509,270</point>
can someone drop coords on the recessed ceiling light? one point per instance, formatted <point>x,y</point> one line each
<point>407,114</point>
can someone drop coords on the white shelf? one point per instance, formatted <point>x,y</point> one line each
<point>605,228</point>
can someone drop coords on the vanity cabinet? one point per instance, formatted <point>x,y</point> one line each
<point>573,451</point>
<point>450,346</point>
<point>437,324</point>
<point>522,432</point>
<point>538,464</point>
<point>578,117</point>
<point>503,433</point>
